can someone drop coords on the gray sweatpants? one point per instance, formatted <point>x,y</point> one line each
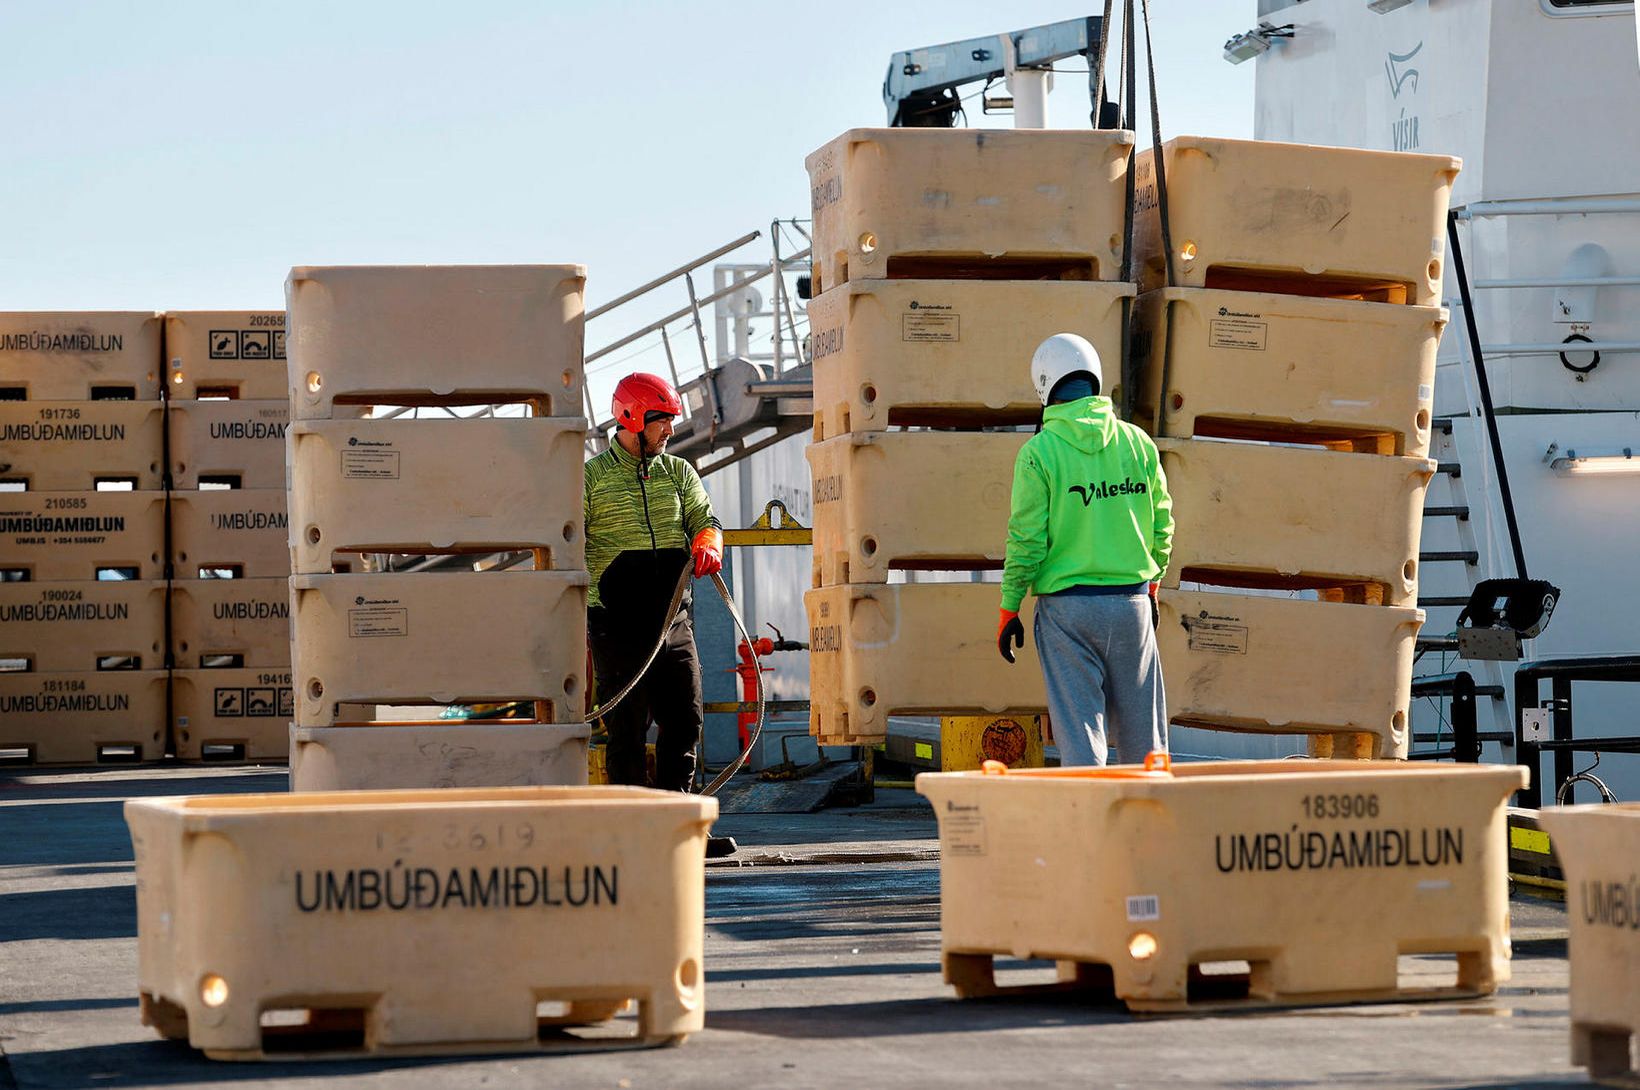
<point>1099,660</point>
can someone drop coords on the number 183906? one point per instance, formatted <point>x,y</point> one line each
<point>1341,806</point>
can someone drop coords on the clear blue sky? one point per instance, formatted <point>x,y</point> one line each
<point>180,155</point>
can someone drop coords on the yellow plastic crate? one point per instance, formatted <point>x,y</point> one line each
<point>435,335</point>
<point>915,500</point>
<point>70,626</point>
<point>1257,215</point>
<point>236,354</point>
<point>242,440</point>
<point>74,535</point>
<point>1268,665</point>
<point>245,618</point>
<point>278,925</point>
<point>438,486</point>
<point>231,714</point>
<point>953,353</point>
<point>74,445</point>
<point>1316,874</point>
<point>877,650</point>
<point>1598,847</point>
<point>80,355</point>
<point>454,753</point>
<point>968,203</point>
<point>240,529</point>
<point>83,717</point>
<point>1248,514</point>
<point>436,638</point>
<point>1247,365</point>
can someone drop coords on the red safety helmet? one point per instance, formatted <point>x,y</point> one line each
<point>639,394</point>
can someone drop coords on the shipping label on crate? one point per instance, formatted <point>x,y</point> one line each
<point>1238,329</point>
<point>930,322</point>
<point>376,617</point>
<point>1215,634</point>
<point>963,827</point>
<point>371,460</point>
<point>59,520</point>
<point>57,604</point>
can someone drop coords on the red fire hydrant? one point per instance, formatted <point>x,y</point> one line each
<point>748,671</point>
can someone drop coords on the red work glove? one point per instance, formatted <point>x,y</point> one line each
<point>708,551</point>
<point>1009,630</point>
<point>1155,611</point>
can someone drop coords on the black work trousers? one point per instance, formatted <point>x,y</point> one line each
<point>669,694</point>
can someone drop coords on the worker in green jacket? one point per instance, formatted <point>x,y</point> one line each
<point>1089,533</point>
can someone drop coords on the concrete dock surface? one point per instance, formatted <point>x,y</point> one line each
<point>822,957</point>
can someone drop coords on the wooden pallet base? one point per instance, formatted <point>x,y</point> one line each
<point>974,976</point>
<point>344,1033</point>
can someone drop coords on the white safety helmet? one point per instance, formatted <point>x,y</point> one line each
<point>1060,355</point>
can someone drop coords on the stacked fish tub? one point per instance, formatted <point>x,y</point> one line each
<point>436,493</point>
<point>82,539</point>
<point>942,259</point>
<point>1287,370</point>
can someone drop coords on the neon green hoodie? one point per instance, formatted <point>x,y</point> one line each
<point>1090,505</point>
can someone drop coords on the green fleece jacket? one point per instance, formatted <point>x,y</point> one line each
<point>1090,505</point>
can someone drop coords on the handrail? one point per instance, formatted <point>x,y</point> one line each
<point>1561,282</point>
<point>1547,206</point>
<point>645,289</point>
<point>684,312</point>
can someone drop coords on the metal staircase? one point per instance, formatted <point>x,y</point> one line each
<point>743,396</point>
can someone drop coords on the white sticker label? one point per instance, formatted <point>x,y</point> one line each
<point>373,621</point>
<point>1145,907</point>
<point>1240,332</point>
<point>930,327</point>
<point>1217,637</point>
<point>367,465</point>
<point>963,828</point>
<point>1425,391</point>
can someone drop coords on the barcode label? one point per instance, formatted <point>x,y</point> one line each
<point>1148,907</point>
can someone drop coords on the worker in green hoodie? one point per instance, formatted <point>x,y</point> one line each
<point>1089,533</point>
